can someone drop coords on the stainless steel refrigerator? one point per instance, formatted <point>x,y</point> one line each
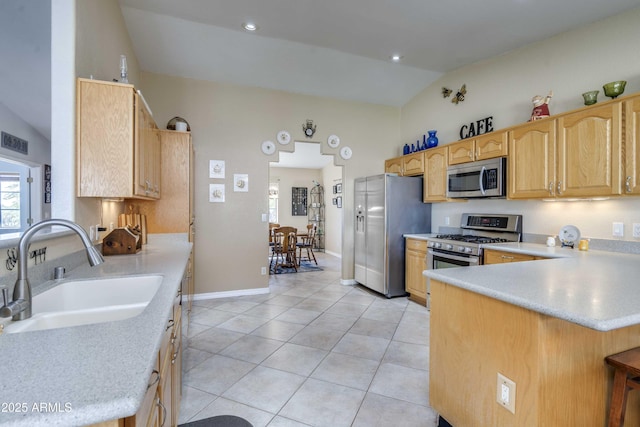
<point>386,207</point>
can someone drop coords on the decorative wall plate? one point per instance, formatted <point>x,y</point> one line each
<point>346,153</point>
<point>268,147</point>
<point>284,137</point>
<point>333,141</point>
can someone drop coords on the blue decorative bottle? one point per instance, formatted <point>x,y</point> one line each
<point>406,149</point>
<point>432,141</point>
<point>424,142</point>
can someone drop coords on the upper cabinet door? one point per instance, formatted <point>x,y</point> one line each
<point>531,164</point>
<point>105,135</point>
<point>589,152</point>
<point>632,146</point>
<point>435,175</point>
<point>460,152</point>
<point>413,164</point>
<point>393,165</point>
<point>491,145</point>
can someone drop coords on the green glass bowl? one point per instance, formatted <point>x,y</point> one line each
<point>591,97</point>
<point>614,89</point>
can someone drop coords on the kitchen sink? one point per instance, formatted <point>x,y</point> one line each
<point>82,302</point>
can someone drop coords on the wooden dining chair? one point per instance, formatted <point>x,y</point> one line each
<point>283,252</point>
<point>272,226</point>
<point>307,243</point>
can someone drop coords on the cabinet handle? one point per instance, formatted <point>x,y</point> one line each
<point>559,187</point>
<point>471,154</point>
<point>627,184</point>
<point>170,324</point>
<point>155,380</point>
<point>506,257</point>
<point>477,154</point>
<point>551,188</point>
<point>164,411</point>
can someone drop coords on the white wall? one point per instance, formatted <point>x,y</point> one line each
<point>332,175</point>
<point>502,87</point>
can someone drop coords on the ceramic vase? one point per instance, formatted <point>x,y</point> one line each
<point>406,149</point>
<point>432,141</point>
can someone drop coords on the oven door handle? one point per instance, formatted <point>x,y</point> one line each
<point>481,177</point>
<point>470,260</point>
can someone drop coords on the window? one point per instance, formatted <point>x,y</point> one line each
<point>273,201</point>
<point>10,201</point>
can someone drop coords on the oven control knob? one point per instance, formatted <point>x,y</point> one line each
<point>448,247</point>
<point>437,245</point>
<point>468,250</point>
<point>429,244</point>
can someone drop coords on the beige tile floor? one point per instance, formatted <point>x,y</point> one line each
<point>312,352</point>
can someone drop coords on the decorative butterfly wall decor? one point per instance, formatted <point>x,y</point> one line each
<point>446,92</point>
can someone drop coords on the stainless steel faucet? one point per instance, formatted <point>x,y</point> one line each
<point>20,307</point>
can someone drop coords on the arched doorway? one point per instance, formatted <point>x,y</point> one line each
<point>305,168</point>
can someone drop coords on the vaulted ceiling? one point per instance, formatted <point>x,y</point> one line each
<point>342,49</point>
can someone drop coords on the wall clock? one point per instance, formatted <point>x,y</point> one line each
<point>268,147</point>
<point>333,141</point>
<point>284,137</point>
<point>346,153</point>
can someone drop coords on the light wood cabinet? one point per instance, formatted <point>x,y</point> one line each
<point>574,155</point>
<point>173,213</point>
<point>415,264</point>
<point>393,165</point>
<point>531,163</point>
<point>487,146</point>
<point>589,152</point>
<point>413,164</point>
<point>118,152</point>
<point>408,165</point>
<point>632,146</point>
<point>492,256</point>
<point>435,175</point>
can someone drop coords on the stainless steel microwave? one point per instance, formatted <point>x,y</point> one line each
<point>486,178</point>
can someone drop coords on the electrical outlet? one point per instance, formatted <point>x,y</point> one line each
<point>618,229</point>
<point>506,393</point>
<point>263,271</point>
<point>92,233</point>
<point>636,229</point>
<point>264,217</point>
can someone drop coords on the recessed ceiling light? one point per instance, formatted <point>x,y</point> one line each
<point>250,26</point>
<point>396,58</point>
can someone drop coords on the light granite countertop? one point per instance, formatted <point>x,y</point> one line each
<point>596,289</point>
<point>88,374</point>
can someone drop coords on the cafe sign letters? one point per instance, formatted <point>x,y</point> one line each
<point>476,128</point>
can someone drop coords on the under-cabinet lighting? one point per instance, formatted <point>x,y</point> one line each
<point>586,199</point>
<point>396,58</point>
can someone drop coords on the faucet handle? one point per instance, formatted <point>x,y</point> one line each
<point>5,296</point>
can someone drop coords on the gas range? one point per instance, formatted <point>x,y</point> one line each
<point>479,230</point>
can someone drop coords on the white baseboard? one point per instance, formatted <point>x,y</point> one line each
<point>228,294</point>
<point>335,254</point>
<point>348,282</point>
